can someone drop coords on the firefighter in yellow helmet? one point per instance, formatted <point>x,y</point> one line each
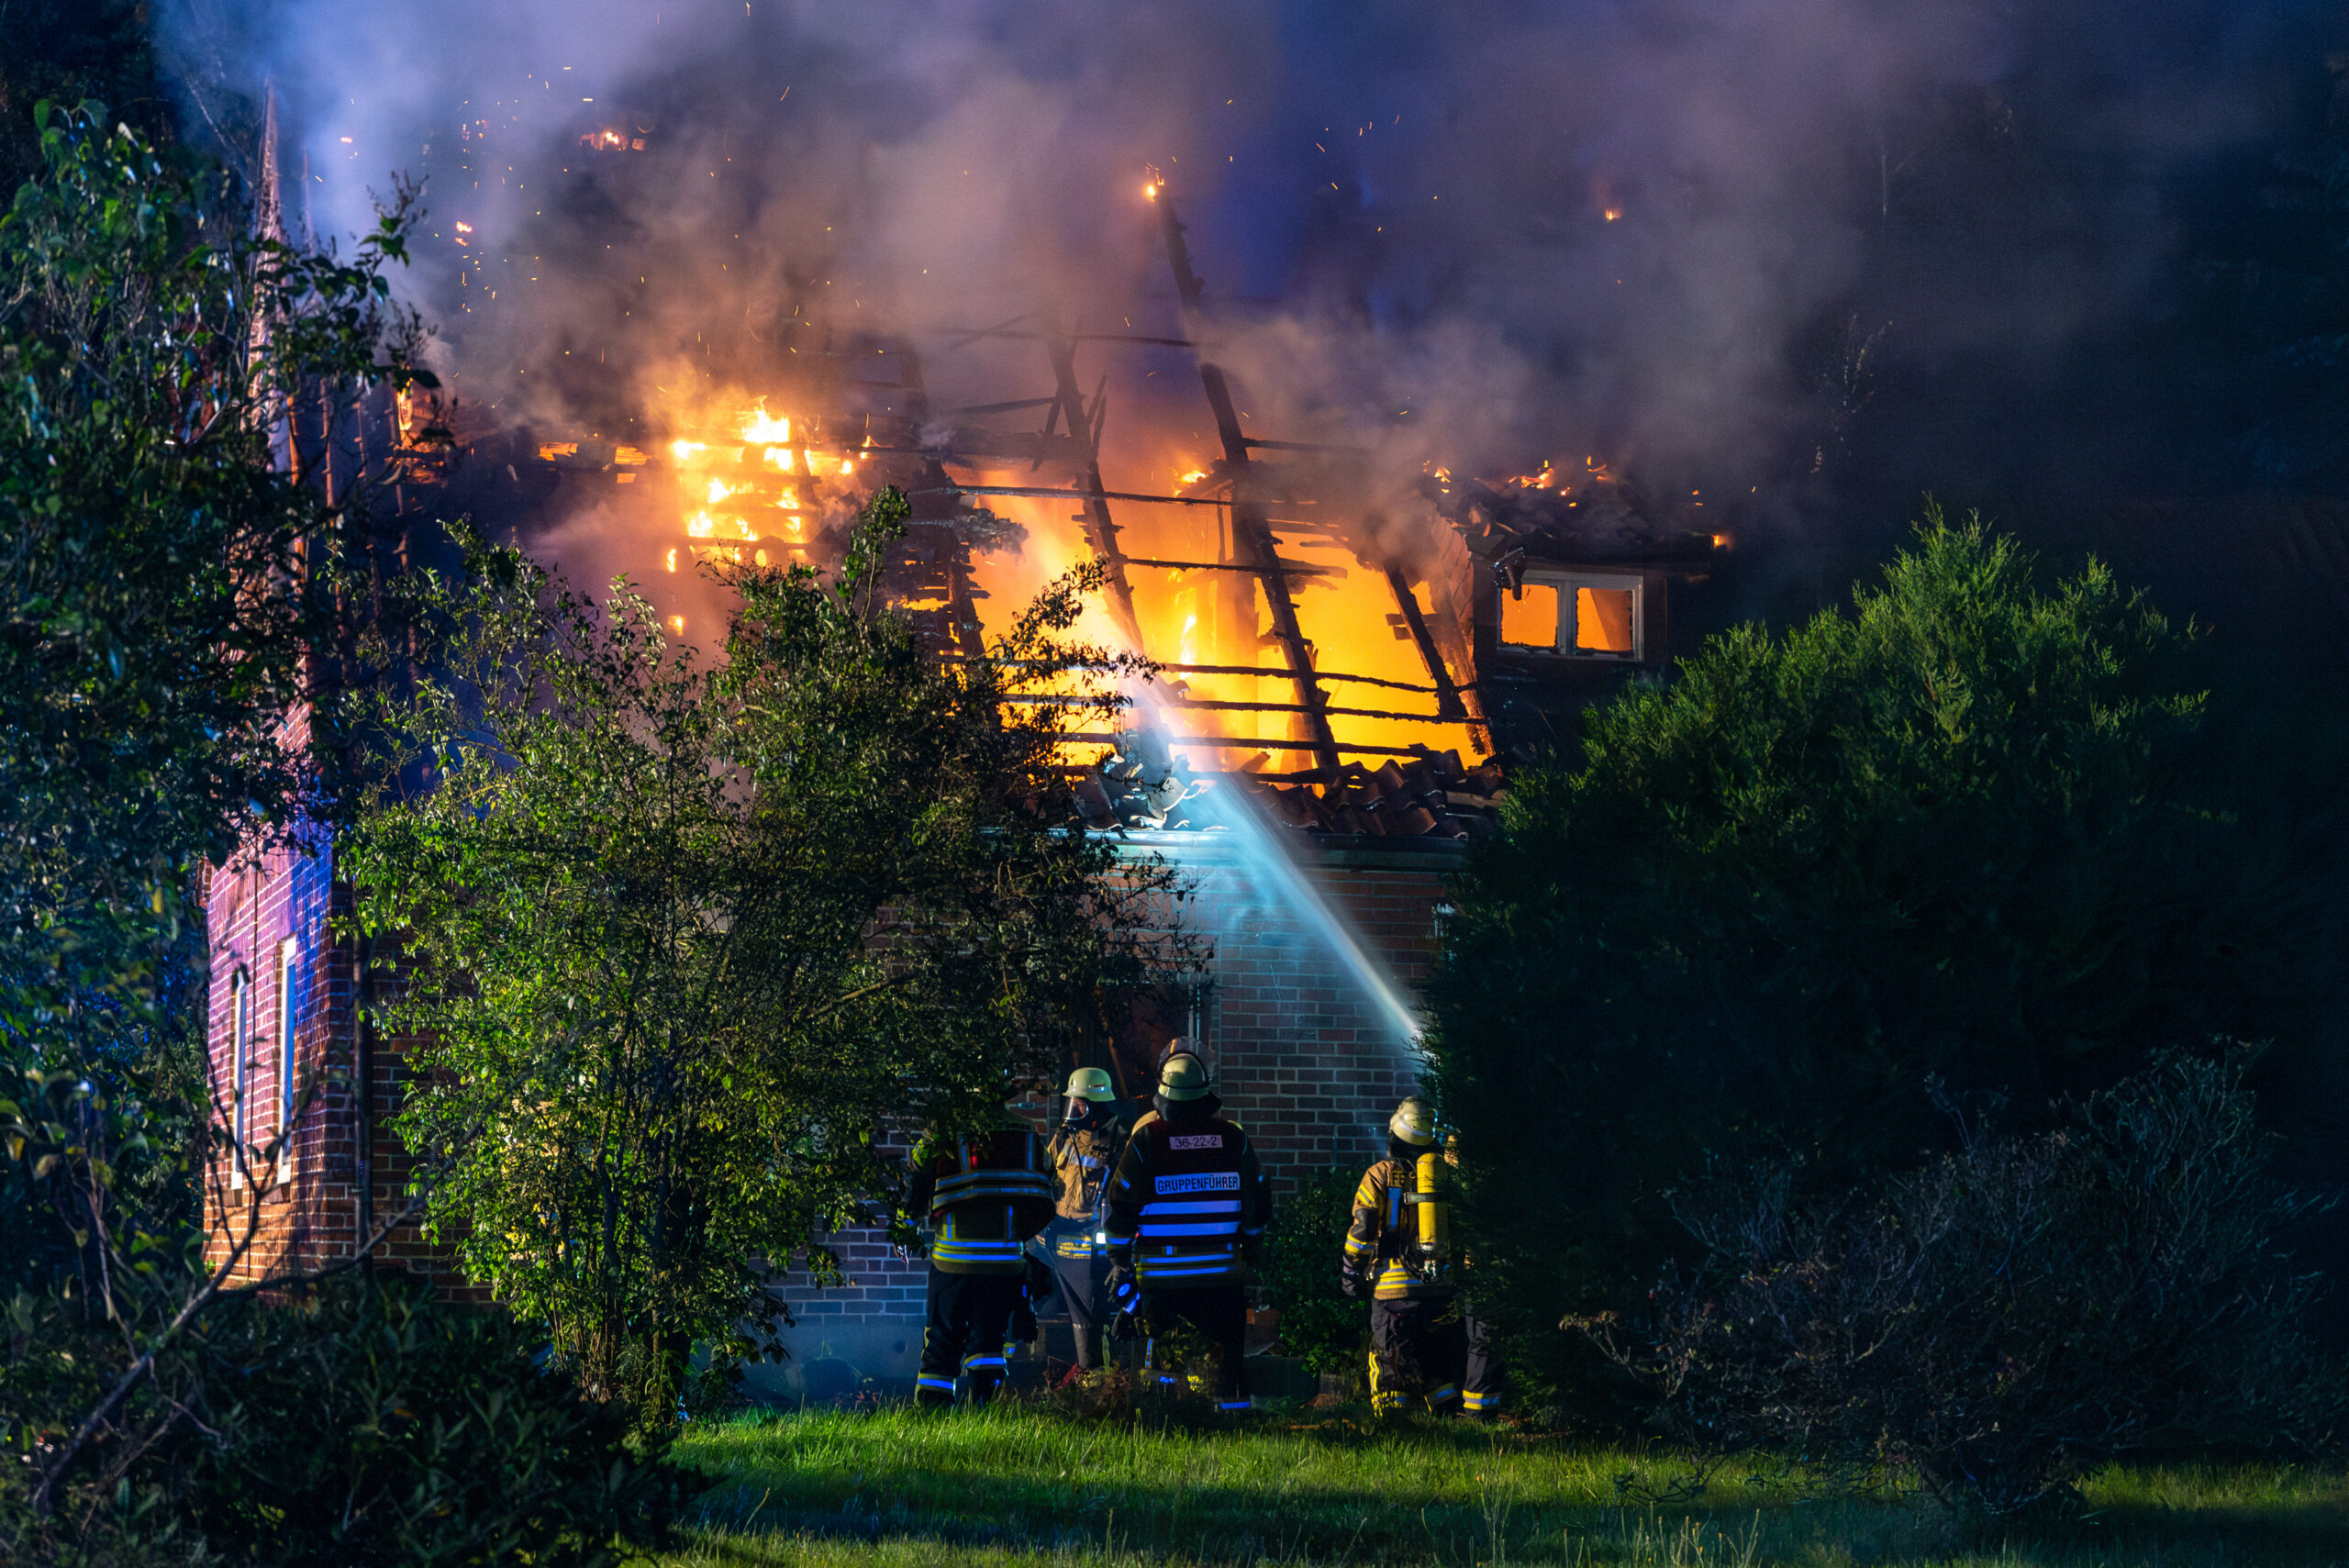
<point>1083,1153</point>
<point>1399,1246</point>
<point>983,1196</point>
<point>1186,1208</point>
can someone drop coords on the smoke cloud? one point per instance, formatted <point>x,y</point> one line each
<point>1669,233</point>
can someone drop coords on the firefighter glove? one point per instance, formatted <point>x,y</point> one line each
<point>1350,1280</point>
<point>1124,1290</point>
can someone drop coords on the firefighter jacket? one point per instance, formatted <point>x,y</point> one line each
<point>1082,1160</point>
<point>1380,1242</point>
<point>984,1196</point>
<point>1189,1202</point>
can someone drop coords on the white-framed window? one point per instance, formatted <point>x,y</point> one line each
<point>1577,615</point>
<point>240,1068</point>
<point>286,956</point>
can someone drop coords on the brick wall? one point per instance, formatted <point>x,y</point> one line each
<point>279,1023</point>
<point>284,1037</point>
<point>1307,1062</point>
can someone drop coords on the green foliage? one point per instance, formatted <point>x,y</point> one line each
<point>159,578</point>
<point>371,1426</point>
<point>687,941</point>
<point>158,582</point>
<point>1302,1251</point>
<point>67,51</point>
<point>1952,834</point>
<point>355,1423</point>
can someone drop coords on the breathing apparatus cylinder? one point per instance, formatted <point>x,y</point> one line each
<point>1435,1225</point>
<point>1430,1249</point>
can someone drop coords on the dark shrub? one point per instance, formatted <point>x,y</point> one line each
<point>1300,1268</point>
<point>1970,827</point>
<point>2007,1316</point>
<point>370,1425</point>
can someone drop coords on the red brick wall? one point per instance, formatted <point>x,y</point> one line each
<point>335,1180</point>
<point>270,907</point>
<point>1302,1059</point>
<point>1307,1062</point>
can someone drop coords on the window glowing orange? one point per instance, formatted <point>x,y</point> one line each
<point>1531,622</point>
<point>1603,620</point>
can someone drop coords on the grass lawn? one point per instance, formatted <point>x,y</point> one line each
<point>1018,1486</point>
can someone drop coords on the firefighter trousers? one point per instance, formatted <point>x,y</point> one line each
<point>1083,1283</point>
<point>1480,1389</point>
<point>1217,1314</point>
<point>1426,1352</point>
<point>966,1317</point>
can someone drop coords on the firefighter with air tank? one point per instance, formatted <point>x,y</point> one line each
<point>1083,1153</point>
<point>1399,1246</point>
<point>985,1195</point>
<point>1186,1210</point>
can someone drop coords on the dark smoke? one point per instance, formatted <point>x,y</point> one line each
<point>1861,248</point>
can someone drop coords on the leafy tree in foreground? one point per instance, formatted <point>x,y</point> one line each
<point>160,583</point>
<point>161,577</point>
<point>1951,833</point>
<point>686,941</point>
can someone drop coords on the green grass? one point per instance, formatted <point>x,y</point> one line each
<point>1013,1487</point>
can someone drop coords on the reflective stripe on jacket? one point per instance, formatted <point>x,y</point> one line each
<point>986,1197</point>
<point>1188,1201</point>
<point>1382,1226</point>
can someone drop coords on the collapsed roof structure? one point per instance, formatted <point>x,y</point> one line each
<point>1356,685</point>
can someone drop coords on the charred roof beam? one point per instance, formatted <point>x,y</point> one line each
<point>1250,533</point>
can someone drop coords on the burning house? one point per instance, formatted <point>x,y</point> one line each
<point>1347,667</point>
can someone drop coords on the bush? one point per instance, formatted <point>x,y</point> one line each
<point>1301,1254</point>
<point>1968,827</point>
<point>2009,1316</point>
<point>372,1424</point>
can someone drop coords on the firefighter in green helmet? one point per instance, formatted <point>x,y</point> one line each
<point>1083,1153</point>
<point>1398,1247</point>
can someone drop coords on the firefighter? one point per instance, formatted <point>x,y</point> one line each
<point>1399,1244</point>
<point>1187,1211</point>
<point>1083,1153</point>
<point>984,1196</point>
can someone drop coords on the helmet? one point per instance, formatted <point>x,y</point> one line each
<point>1184,1077</point>
<point>1414,1123</point>
<point>1090,1083</point>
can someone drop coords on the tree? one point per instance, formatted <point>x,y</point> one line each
<point>1952,833</point>
<point>165,586</point>
<point>686,942</point>
<point>68,51</point>
<point>161,578</point>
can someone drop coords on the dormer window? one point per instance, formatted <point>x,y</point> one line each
<point>1577,615</point>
